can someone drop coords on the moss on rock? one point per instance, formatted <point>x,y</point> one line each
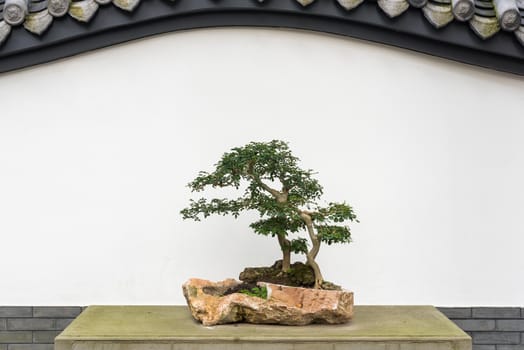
<point>299,275</point>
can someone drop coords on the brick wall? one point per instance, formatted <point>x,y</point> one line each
<point>491,328</point>
<point>34,328</point>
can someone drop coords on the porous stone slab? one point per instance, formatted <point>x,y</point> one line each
<point>284,305</point>
<point>173,328</point>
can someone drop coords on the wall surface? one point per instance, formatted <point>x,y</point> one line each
<point>95,152</point>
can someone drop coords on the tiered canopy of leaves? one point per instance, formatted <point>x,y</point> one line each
<point>328,222</point>
<point>260,165</point>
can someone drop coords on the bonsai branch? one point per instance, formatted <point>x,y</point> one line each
<point>281,197</point>
<point>312,254</point>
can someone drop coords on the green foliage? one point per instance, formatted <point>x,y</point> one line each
<point>299,245</point>
<point>333,234</point>
<point>260,292</point>
<point>327,223</point>
<point>278,225</point>
<point>214,206</point>
<point>334,212</point>
<point>255,163</point>
<point>278,189</point>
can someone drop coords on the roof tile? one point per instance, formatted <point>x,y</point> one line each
<point>486,17</point>
<point>393,8</point>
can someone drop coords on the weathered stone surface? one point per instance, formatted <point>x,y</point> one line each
<point>284,305</point>
<point>173,327</point>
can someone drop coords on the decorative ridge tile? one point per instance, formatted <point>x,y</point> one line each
<point>409,23</point>
<point>508,17</point>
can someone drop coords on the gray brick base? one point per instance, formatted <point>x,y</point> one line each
<point>34,328</point>
<point>491,328</point>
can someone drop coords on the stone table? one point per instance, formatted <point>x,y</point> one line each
<point>173,328</point>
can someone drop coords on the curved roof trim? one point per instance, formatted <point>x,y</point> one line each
<point>410,29</point>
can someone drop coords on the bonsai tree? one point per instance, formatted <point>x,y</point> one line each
<point>285,196</point>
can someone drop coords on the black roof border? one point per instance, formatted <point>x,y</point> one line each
<point>110,26</point>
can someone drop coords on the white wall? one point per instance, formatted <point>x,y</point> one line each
<point>96,150</point>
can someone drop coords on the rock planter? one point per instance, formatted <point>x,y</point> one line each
<point>214,303</point>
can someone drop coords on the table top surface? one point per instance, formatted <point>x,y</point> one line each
<point>164,323</point>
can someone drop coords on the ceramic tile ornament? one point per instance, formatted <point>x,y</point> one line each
<point>38,22</point>
<point>83,10</point>
<point>484,27</point>
<point>305,2</point>
<point>519,33</point>
<point>393,8</point>
<point>485,18</point>
<point>127,5</point>
<point>15,11</point>
<point>463,10</point>
<point>484,23</point>
<point>508,14</point>
<point>5,30</point>
<point>350,4</point>
<point>439,14</point>
<point>58,8</point>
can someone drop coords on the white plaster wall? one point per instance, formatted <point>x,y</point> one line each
<point>95,152</point>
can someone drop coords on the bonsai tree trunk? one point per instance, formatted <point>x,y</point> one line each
<point>285,246</point>
<point>319,280</point>
<point>312,254</point>
<point>280,197</point>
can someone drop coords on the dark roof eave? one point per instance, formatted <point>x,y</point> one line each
<point>410,30</point>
